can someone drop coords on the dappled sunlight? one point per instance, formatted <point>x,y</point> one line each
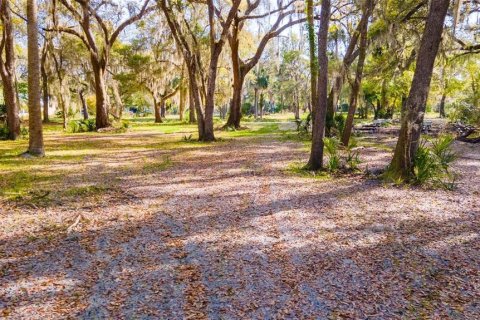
<point>226,224</point>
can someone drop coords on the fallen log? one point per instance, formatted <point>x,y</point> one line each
<point>464,132</point>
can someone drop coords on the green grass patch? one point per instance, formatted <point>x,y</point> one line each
<point>16,185</point>
<point>264,129</point>
<point>298,169</point>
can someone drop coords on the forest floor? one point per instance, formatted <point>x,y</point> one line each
<point>174,229</point>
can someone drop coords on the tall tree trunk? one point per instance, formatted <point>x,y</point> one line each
<point>84,103</point>
<point>441,108</point>
<point>183,99</point>
<point>35,146</point>
<point>256,102</point>
<point>261,104</point>
<point>158,115</point>
<point>43,70</point>
<point>332,100</point>
<point>383,96</point>
<point>196,99</point>
<point>64,101</point>
<point>235,114</point>
<point>316,154</point>
<point>297,107</point>
<point>7,70</point>
<point>402,165</point>
<point>313,58</point>
<point>238,79</point>
<point>210,97</point>
<point>163,110</point>
<point>347,131</point>
<point>101,95</point>
<point>191,107</point>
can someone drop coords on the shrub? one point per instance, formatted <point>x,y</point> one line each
<point>331,148</point>
<point>339,120</point>
<point>24,132</point>
<point>3,132</point>
<point>78,126</point>
<point>304,126</point>
<point>432,163</point>
<point>464,112</point>
<point>346,159</point>
<point>353,155</point>
<point>121,126</point>
<point>3,111</point>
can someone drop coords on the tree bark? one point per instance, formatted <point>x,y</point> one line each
<point>347,131</point>
<point>235,114</point>
<point>183,99</point>
<point>313,58</point>
<point>318,131</point>
<point>162,108</point>
<point>297,107</point>
<point>84,103</point>
<point>441,108</point>
<point>210,100</point>
<point>195,95</point>
<point>402,165</point>
<point>7,70</point>
<point>156,107</point>
<point>64,102</point>
<point>36,147</point>
<point>45,93</point>
<point>101,102</point>
<point>191,107</point>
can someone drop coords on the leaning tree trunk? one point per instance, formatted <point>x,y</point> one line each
<point>35,146</point>
<point>101,95</point>
<point>347,131</point>
<point>7,68</point>
<point>402,165</point>
<point>316,154</point>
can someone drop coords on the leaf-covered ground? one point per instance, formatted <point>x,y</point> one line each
<point>180,230</point>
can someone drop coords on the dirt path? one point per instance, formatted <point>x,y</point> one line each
<point>225,234</point>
